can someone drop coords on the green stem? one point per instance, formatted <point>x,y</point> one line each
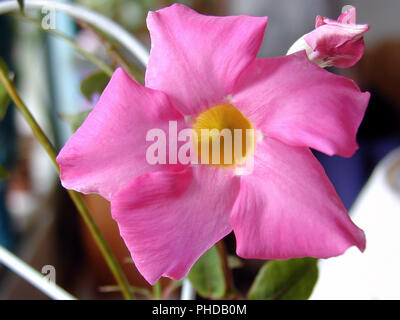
<point>91,57</point>
<point>157,291</point>
<point>76,198</point>
<point>230,286</point>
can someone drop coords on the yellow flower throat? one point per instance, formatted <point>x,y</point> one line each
<point>223,136</point>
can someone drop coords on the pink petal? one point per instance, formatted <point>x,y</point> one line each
<point>109,149</point>
<point>169,219</point>
<point>293,100</point>
<point>196,58</point>
<point>288,208</point>
<point>348,17</point>
<point>319,21</point>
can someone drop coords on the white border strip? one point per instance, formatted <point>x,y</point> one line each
<point>32,276</point>
<point>187,292</point>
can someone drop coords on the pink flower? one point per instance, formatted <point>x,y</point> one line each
<point>169,215</point>
<point>336,43</point>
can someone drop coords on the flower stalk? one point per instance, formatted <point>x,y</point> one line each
<point>76,198</point>
<point>230,286</point>
<point>157,291</point>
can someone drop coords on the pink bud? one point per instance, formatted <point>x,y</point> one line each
<point>338,42</point>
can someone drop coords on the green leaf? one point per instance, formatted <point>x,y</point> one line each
<point>76,119</point>
<point>4,98</point>
<point>94,83</point>
<point>285,280</point>
<point>207,275</point>
<point>3,173</point>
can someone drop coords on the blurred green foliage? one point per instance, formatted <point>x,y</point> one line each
<point>131,14</point>
<point>292,279</point>
<point>207,275</point>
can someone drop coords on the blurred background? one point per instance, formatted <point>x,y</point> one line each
<point>39,223</point>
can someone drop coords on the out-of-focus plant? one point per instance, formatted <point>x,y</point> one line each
<point>131,14</point>
<point>4,98</point>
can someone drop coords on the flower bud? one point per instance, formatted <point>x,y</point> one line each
<point>338,43</point>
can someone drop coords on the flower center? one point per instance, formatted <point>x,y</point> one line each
<point>223,136</point>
